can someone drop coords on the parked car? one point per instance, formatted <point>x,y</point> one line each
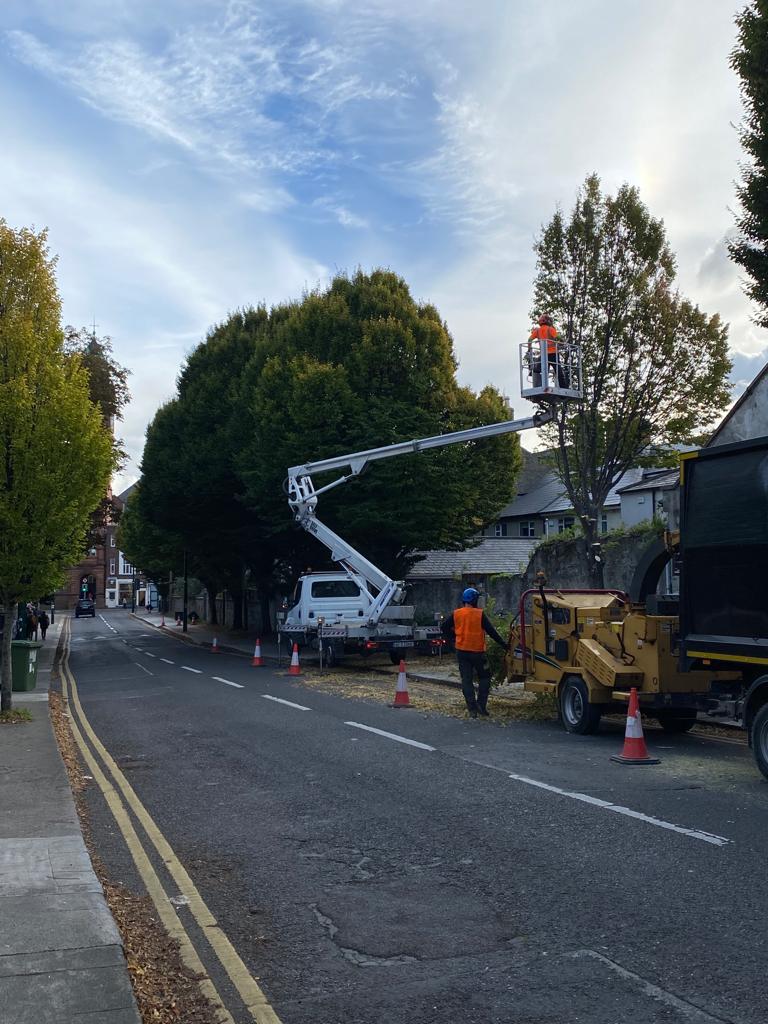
<point>85,607</point>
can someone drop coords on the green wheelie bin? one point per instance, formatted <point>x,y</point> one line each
<point>24,664</point>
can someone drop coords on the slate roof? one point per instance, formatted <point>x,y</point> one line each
<point>491,555</point>
<point>653,480</point>
<point>550,497</point>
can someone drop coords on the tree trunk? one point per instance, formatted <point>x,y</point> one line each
<point>266,622</point>
<point>6,683</point>
<point>237,606</point>
<point>594,557</point>
<point>213,618</point>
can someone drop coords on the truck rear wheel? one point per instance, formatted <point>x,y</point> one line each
<point>576,712</point>
<point>759,737</point>
<point>331,655</point>
<point>677,721</point>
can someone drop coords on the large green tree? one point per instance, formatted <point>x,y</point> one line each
<point>189,481</point>
<point>57,456</point>
<point>158,551</point>
<point>750,62</point>
<point>358,365</point>
<point>108,389</point>
<point>655,367</point>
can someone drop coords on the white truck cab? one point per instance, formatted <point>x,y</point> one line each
<point>335,598</point>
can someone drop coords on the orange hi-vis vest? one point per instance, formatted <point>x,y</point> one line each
<point>468,627</point>
<point>546,333</point>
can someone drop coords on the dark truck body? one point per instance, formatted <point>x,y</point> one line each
<point>724,576</point>
<point>724,554</point>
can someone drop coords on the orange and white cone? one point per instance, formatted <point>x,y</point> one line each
<point>215,645</point>
<point>402,700</point>
<point>635,750</point>
<point>295,669</point>
<point>257,659</point>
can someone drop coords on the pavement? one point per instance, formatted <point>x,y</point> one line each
<point>61,956</point>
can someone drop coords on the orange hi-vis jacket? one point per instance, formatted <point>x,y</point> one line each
<point>468,626</point>
<point>545,333</point>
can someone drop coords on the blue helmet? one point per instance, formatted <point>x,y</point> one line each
<point>470,595</point>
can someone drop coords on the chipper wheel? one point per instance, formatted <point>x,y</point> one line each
<point>576,713</point>
<point>759,737</point>
<point>677,721</point>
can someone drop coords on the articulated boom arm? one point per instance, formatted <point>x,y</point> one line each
<point>302,497</point>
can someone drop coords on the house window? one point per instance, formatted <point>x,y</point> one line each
<point>111,540</point>
<point>112,567</point>
<point>565,523</point>
<point>500,530</point>
<point>604,523</point>
<point>127,569</point>
<point>528,528</point>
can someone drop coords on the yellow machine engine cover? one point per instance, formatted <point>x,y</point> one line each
<point>601,664</point>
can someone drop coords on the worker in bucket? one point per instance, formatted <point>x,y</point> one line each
<point>468,625</point>
<point>545,334</point>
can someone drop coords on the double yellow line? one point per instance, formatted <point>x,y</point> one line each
<point>120,801</point>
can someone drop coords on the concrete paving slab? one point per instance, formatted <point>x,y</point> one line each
<point>100,995</point>
<point>51,960</point>
<point>59,864</point>
<point>31,924</point>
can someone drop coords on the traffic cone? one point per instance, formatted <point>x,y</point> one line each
<point>295,669</point>
<point>402,699</point>
<point>635,750</point>
<point>257,658</point>
<point>215,645</point>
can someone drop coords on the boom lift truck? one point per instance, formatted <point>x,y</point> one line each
<point>360,609</point>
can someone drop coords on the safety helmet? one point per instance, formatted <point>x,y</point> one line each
<point>545,320</point>
<point>470,595</point>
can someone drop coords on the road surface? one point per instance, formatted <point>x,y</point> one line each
<point>368,865</point>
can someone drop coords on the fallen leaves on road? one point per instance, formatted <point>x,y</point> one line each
<point>507,703</point>
<point>166,991</point>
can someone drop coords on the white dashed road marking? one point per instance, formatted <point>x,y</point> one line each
<point>228,682</point>
<point>107,624</point>
<point>167,661</point>
<point>391,736</point>
<point>705,837</point>
<point>188,669</point>
<point>149,654</point>
<point>143,669</point>
<point>288,703</point>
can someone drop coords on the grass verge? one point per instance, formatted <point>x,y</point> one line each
<point>15,716</point>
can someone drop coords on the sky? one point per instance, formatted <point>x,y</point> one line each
<point>192,157</point>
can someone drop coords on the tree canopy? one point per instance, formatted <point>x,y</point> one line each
<point>655,366</point>
<point>356,365</point>
<point>750,62</point>
<point>57,456</point>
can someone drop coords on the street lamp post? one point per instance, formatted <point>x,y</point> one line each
<point>186,594</point>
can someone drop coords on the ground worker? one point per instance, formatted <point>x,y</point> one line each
<point>468,625</point>
<point>546,334</point>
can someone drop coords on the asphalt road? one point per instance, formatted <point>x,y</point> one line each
<point>487,874</point>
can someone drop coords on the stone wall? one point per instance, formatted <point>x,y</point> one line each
<point>564,563</point>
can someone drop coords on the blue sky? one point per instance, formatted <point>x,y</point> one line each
<point>193,157</point>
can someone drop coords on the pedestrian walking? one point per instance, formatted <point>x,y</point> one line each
<point>469,626</point>
<point>44,623</point>
<point>32,625</point>
<point>125,605</point>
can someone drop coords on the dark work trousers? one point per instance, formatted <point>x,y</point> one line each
<point>470,662</point>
